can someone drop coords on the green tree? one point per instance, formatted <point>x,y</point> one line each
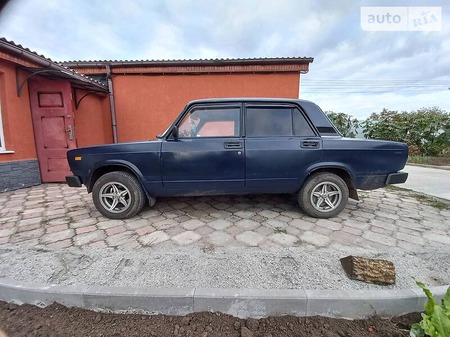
<point>429,131</point>
<point>426,131</point>
<point>346,124</point>
<point>388,125</point>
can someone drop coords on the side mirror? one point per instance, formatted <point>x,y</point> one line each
<point>175,132</point>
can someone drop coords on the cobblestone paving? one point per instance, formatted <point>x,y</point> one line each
<point>56,216</point>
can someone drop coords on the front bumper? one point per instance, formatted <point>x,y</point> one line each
<point>73,181</point>
<point>396,178</point>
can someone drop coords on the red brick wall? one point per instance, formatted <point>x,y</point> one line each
<point>16,116</point>
<point>146,105</point>
<point>93,120</point>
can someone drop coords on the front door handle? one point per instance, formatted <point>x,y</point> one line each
<point>233,145</point>
<point>310,144</point>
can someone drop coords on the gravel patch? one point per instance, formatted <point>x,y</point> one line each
<point>254,268</point>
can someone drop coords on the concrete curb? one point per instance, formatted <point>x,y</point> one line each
<point>241,303</point>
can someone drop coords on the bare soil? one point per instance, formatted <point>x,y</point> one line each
<point>57,320</point>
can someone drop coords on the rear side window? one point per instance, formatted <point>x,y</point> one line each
<point>276,121</point>
<point>263,121</point>
<point>301,126</point>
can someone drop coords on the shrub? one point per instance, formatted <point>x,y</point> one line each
<point>426,131</point>
<point>346,124</point>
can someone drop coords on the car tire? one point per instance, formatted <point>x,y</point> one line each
<point>118,195</point>
<point>324,195</point>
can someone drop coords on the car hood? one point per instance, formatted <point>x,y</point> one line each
<point>130,147</point>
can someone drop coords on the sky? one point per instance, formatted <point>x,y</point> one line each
<point>355,71</point>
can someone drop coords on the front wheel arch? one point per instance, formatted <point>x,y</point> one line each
<point>118,195</point>
<point>102,170</point>
<point>109,167</point>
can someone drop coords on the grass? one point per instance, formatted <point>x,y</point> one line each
<point>426,199</point>
<point>434,202</point>
<point>278,230</point>
<point>425,160</point>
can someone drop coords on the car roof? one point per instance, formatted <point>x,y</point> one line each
<point>249,99</point>
<point>314,112</point>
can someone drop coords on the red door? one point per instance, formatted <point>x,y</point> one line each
<point>53,125</point>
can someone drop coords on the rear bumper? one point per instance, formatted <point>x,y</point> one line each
<point>73,181</point>
<point>396,178</point>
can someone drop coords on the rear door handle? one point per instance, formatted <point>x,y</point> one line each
<point>310,144</point>
<point>233,145</point>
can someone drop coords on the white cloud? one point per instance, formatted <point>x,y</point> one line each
<point>189,29</point>
<point>362,105</point>
<point>164,43</point>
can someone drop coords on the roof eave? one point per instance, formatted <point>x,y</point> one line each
<point>215,62</point>
<point>44,63</point>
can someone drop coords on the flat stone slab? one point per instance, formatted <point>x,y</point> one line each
<point>65,217</point>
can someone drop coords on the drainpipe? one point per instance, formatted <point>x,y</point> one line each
<point>111,102</point>
<point>302,72</point>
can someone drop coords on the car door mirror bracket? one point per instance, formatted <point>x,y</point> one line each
<point>175,132</point>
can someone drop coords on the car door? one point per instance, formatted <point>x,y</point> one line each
<point>280,145</point>
<point>208,154</point>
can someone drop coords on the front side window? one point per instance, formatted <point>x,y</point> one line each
<point>276,121</point>
<point>210,122</point>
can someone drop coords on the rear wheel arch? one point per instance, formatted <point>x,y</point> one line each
<point>341,172</point>
<point>323,195</point>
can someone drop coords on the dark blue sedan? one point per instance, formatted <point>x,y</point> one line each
<point>239,146</point>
